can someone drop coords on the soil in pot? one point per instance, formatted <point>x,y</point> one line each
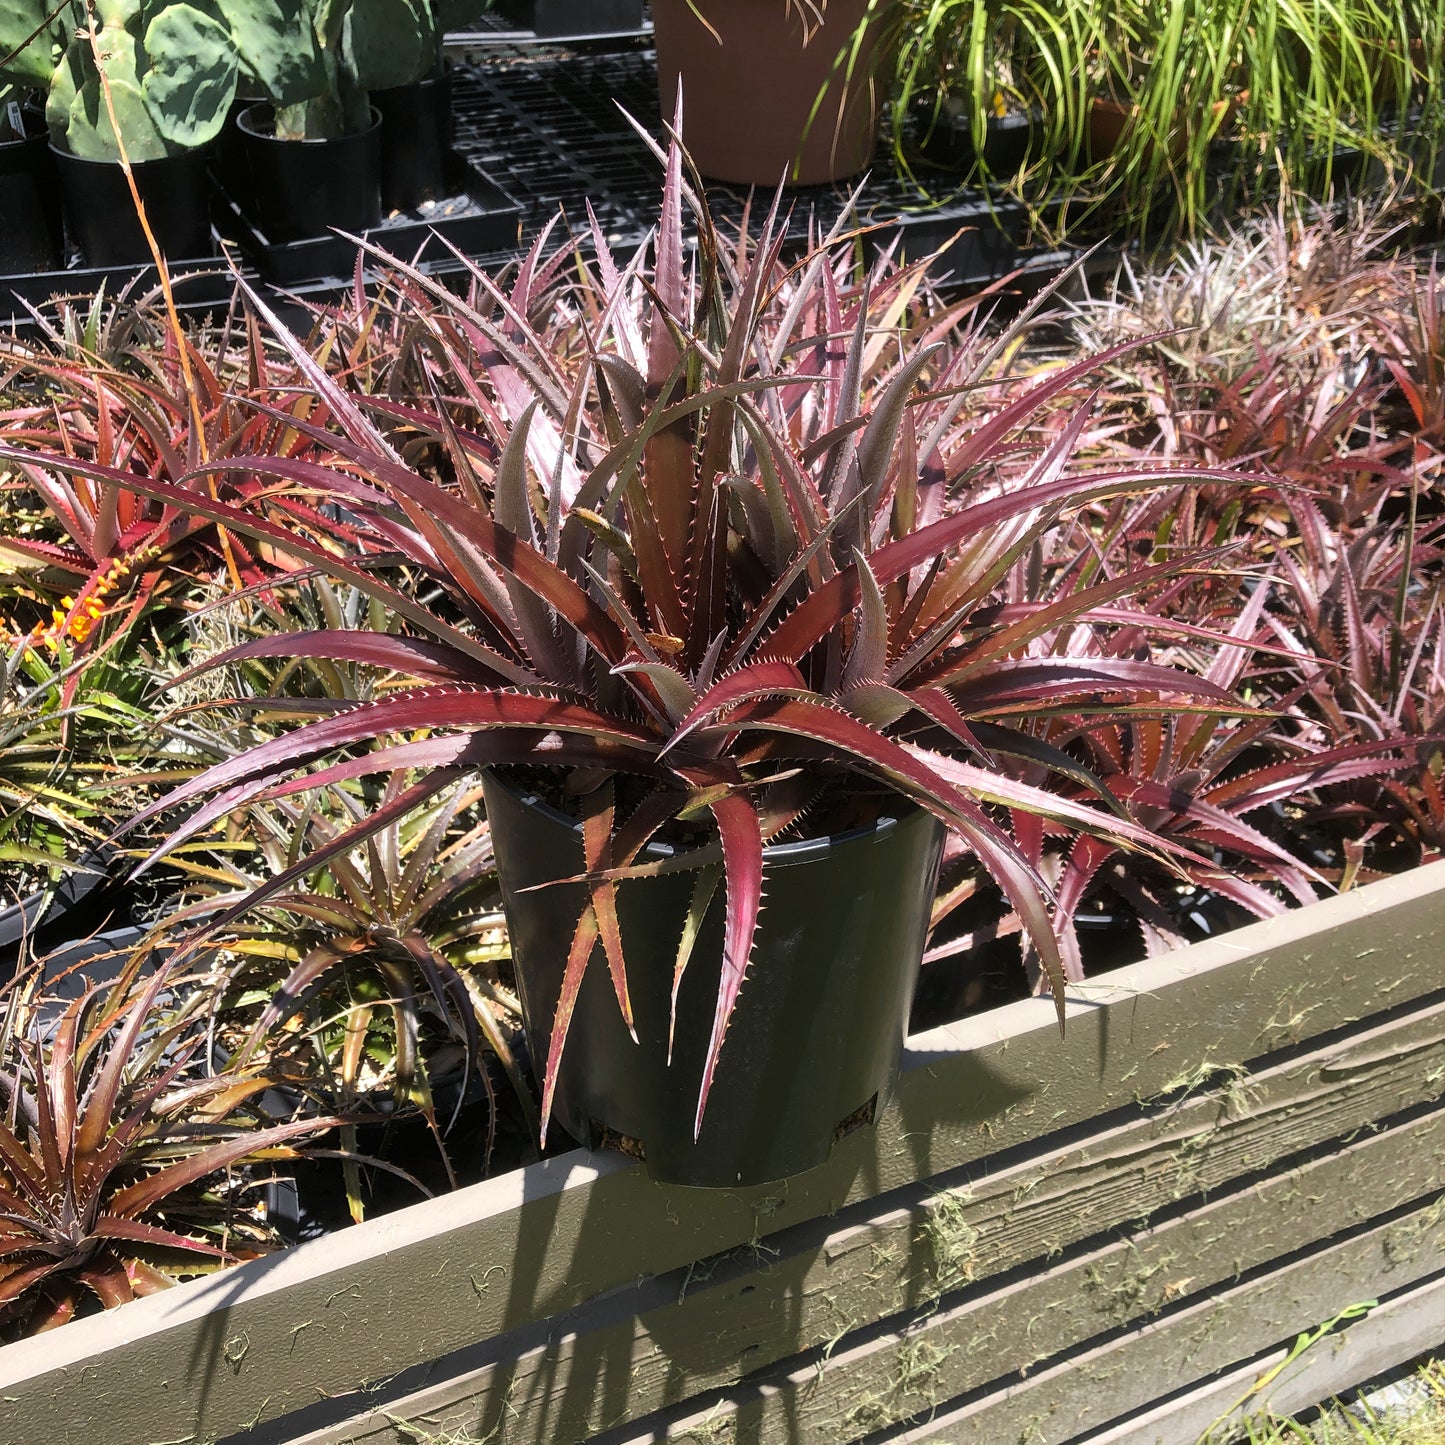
<point>748,102</point>
<point>303,188</point>
<point>31,235</point>
<point>100,212</point>
<point>415,138</point>
<point>815,1040</point>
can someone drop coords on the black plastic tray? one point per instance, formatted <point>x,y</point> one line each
<point>559,20</point>
<point>478,218</point>
<point>554,130</point>
<point>526,23</point>
<point>200,284</point>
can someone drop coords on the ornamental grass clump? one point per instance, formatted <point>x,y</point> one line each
<point>716,540</point>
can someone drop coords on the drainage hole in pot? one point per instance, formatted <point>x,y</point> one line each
<point>605,1138</point>
<point>860,1116</point>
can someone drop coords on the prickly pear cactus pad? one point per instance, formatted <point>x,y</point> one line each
<point>31,65</point>
<point>190,78</point>
<point>391,42</point>
<point>276,49</point>
<point>171,69</point>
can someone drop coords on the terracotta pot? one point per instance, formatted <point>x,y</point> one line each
<point>1110,120</point>
<point>749,89</point>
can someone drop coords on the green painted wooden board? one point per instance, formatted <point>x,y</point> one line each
<point>1025,1323</point>
<point>750,1309</point>
<point>268,1338</point>
<point>1286,1381</point>
<point>1060,1403</point>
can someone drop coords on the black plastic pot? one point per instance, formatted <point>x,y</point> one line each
<point>552,18</point>
<point>946,140</point>
<point>816,1037</point>
<point>82,899</point>
<point>31,235</point>
<point>416,123</point>
<point>232,170</point>
<point>475,216</point>
<point>100,213</point>
<point>302,188</point>
<point>72,969</point>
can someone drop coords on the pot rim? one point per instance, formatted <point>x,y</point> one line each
<point>28,913</point>
<point>193,154</point>
<point>802,850</point>
<point>273,139</point>
<point>430,81</point>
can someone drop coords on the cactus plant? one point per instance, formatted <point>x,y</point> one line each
<point>377,45</point>
<point>363,47</point>
<point>172,69</point>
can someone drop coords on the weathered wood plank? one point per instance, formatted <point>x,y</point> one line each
<point>1060,1403</point>
<point>738,1315</point>
<point>267,1338</point>
<point>891,1378</point>
<point>1397,1331</point>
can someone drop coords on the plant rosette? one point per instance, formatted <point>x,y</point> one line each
<point>120,1154</point>
<point>699,575</point>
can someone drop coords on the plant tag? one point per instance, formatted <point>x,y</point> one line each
<point>17,121</point>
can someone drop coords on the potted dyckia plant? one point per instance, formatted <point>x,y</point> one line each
<point>123,1159</point>
<point>695,602</point>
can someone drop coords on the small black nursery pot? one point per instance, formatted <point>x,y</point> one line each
<point>1010,141</point>
<point>31,237</point>
<point>415,140</point>
<point>302,188</point>
<point>101,216</point>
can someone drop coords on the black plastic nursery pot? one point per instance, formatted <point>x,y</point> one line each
<point>100,212</point>
<point>549,19</point>
<point>80,901</point>
<point>474,216</point>
<point>415,142</point>
<point>31,235</point>
<point>301,188</point>
<point>818,1031</point>
<point>231,168</point>
<point>946,140</point>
